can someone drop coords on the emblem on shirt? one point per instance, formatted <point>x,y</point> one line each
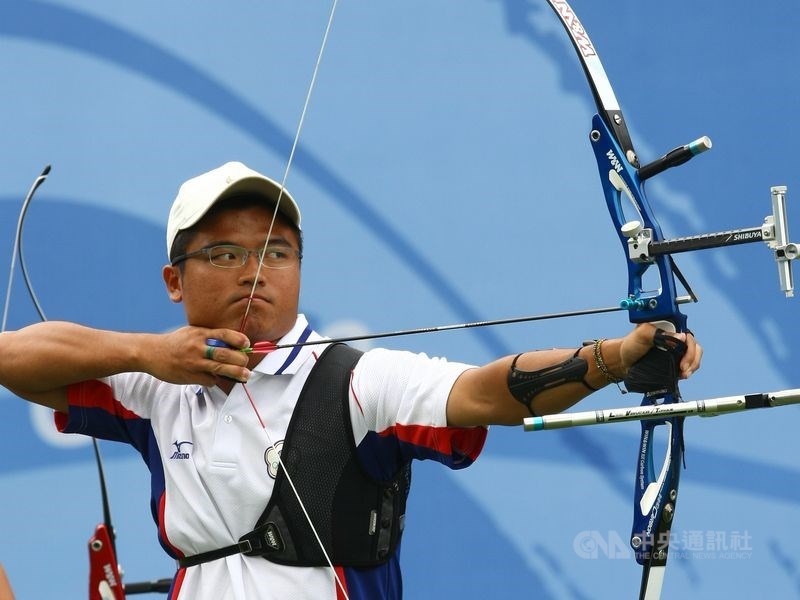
<point>180,453</point>
<point>271,457</point>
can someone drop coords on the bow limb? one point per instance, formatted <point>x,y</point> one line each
<point>17,251</point>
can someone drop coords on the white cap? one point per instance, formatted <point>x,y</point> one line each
<point>199,194</point>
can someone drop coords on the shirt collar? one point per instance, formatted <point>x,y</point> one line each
<point>287,361</point>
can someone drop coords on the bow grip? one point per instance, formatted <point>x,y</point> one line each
<point>659,369</point>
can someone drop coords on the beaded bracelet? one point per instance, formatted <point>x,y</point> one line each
<point>601,365</point>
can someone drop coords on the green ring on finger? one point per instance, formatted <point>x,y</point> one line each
<point>210,352</point>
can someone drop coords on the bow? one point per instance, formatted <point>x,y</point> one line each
<point>652,296</point>
<point>105,580</point>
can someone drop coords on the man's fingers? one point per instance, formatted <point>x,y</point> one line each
<point>227,363</point>
<point>232,338</point>
<point>226,356</point>
<point>231,372</point>
<point>691,360</point>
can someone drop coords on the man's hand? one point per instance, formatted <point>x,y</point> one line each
<point>183,356</point>
<point>40,361</point>
<point>639,342</point>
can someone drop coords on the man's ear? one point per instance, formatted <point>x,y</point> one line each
<point>172,279</point>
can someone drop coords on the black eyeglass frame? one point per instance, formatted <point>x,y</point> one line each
<point>245,255</point>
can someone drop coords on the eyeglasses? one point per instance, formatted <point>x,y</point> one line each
<point>232,257</point>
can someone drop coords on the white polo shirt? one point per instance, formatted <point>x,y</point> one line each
<point>213,465</point>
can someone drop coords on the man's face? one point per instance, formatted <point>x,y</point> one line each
<point>217,297</point>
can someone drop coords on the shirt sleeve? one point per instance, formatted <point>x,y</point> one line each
<point>399,409</point>
<point>115,408</point>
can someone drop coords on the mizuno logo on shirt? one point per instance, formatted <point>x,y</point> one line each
<point>179,454</point>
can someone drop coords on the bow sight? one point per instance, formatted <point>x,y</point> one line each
<point>642,248</point>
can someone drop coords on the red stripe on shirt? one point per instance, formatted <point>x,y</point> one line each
<point>162,525</point>
<point>178,583</point>
<point>467,441</point>
<point>96,394</point>
<point>340,575</point>
<point>353,392</point>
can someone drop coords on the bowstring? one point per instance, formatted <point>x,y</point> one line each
<point>296,140</point>
<point>243,323</point>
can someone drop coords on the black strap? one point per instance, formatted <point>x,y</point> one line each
<point>255,543</point>
<point>196,559</point>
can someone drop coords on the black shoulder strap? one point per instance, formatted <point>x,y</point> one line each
<point>315,454</point>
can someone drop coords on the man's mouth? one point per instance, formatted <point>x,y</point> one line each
<point>252,299</point>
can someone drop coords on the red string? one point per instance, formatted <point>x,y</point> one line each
<point>253,404</point>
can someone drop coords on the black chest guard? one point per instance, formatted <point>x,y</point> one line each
<point>359,520</point>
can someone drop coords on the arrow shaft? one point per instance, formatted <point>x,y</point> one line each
<point>454,327</point>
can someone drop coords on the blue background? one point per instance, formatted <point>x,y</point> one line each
<point>445,175</point>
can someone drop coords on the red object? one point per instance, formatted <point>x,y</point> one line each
<point>104,580</point>
<point>264,347</point>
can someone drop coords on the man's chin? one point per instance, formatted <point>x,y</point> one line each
<point>259,332</point>
<point>260,325</point>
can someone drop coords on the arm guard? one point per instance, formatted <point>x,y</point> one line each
<point>525,385</point>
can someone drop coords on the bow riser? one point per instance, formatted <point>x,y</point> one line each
<point>656,493</point>
<point>622,188</point>
<point>655,499</point>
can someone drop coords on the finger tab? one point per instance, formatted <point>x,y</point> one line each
<point>216,343</point>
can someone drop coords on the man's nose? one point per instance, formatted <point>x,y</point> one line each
<point>252,269</point>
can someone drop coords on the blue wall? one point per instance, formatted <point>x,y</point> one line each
<point>445,175</point>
